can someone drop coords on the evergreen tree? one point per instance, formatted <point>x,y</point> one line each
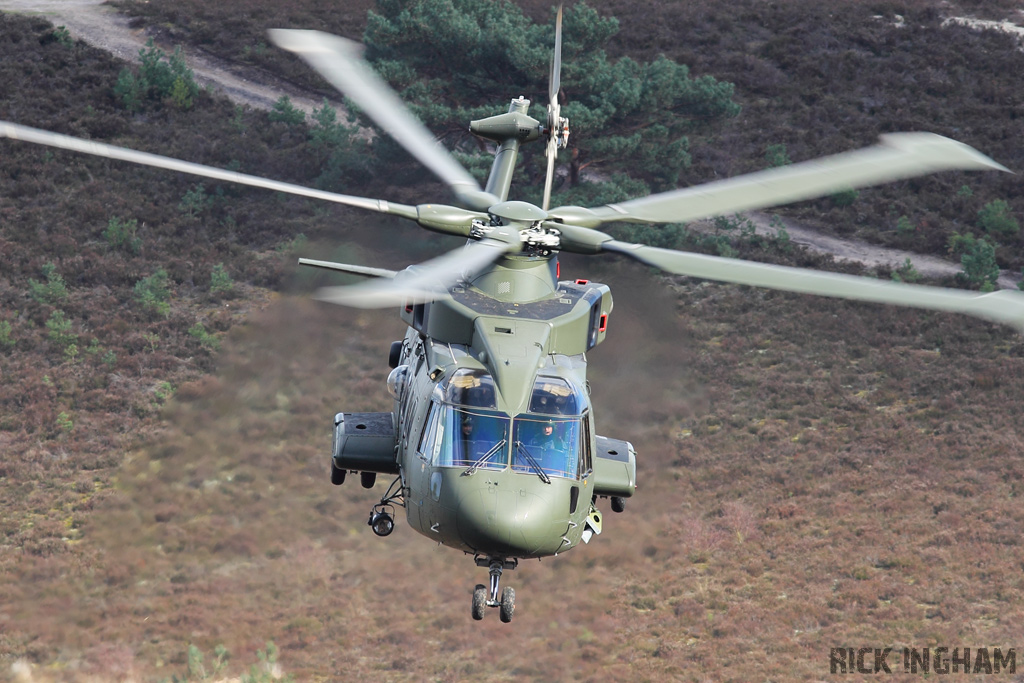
<point>458,60</point>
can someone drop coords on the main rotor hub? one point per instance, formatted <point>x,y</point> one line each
<point>518,212</point>
<point>537,239</point>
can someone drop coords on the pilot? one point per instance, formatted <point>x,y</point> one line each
<point>472,447</point>
<point>547,445</point>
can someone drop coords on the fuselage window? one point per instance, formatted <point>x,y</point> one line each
<point>427,437</point>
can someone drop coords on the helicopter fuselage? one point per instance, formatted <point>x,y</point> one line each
<point>492,433</point>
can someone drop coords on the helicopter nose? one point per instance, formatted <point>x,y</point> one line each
<point>499,518</point>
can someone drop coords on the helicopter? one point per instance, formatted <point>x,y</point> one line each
<point>492,441</point>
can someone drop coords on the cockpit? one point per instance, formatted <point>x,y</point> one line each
<point>465,428</point>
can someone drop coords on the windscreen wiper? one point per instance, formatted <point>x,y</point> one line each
<point>483,458</point>
<point>533,463</point>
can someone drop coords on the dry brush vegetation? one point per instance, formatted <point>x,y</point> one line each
<point>812,473</point>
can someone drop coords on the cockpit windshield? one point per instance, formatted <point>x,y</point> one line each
<point>548,445</point>
<point>464,428</point>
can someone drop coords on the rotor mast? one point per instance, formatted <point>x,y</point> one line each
<point>509,130</point>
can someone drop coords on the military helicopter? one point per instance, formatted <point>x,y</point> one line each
<point>492,440</point>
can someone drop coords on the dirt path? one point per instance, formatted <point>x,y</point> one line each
<point>101,26</point>
<point>870,255</point>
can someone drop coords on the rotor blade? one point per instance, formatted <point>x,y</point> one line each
<point>15,131</point>
<point>364,271</point>
<point>552,153</point>
<point>1003,306</point>
<point>900,155</point>
<point>338,61</point>
<point>556,61</point>
<point>425,282</point>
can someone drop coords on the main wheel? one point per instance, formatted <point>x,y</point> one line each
<point>479,601</point>
<point>394,354</point>
<point>508,604</point>
<point>337,475</point>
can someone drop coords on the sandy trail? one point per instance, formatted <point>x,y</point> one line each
<point>102,26</point>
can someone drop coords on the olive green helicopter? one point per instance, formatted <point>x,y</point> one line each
<point>492,440</point>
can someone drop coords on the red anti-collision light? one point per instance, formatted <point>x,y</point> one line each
<point>583,282</point>
<point>604,323</point>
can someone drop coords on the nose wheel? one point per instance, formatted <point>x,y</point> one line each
<point>495,596</point>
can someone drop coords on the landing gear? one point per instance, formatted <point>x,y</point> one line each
<point>508,604</point>
<point>479,601</point>
<point>484,597</point>
<point>337,474</point>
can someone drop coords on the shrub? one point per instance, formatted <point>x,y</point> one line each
<point>54,291</point>
<point>120,234</point>
<point>285,112</point>
<point>205,338</point>
<point>845,198</point>
<point>64,423</point>
<point>159,78</point>
<point>995,219</point>
<point>59,330</point>
<point>904,226</point>
<point>777,155</point>
<point>6,342</point>
<point>63,36</point>
<point>979,265</point>
<point>906,272</point>
<point>195,201</point>
<point>220,281</point>
<point>152,292</point>
<point>130,90</point>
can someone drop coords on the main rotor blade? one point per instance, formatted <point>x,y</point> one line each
<point>1003,306</point>
<point>15,131</point>
<point>364,271</point>
<point>338,60</point>
<point>900,155</point>
<point>554,111</point>
<point>552,153</point>
<point>425,282</point>
<point>556,61</point>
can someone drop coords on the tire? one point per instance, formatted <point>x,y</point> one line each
<point>337,476</point>
<point>618,504</point>
<point>508,604</point>
<point>367,479</point>
<point>479,601</point>
<point>394,354</point>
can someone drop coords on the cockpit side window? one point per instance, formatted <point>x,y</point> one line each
<point>428,437</point>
